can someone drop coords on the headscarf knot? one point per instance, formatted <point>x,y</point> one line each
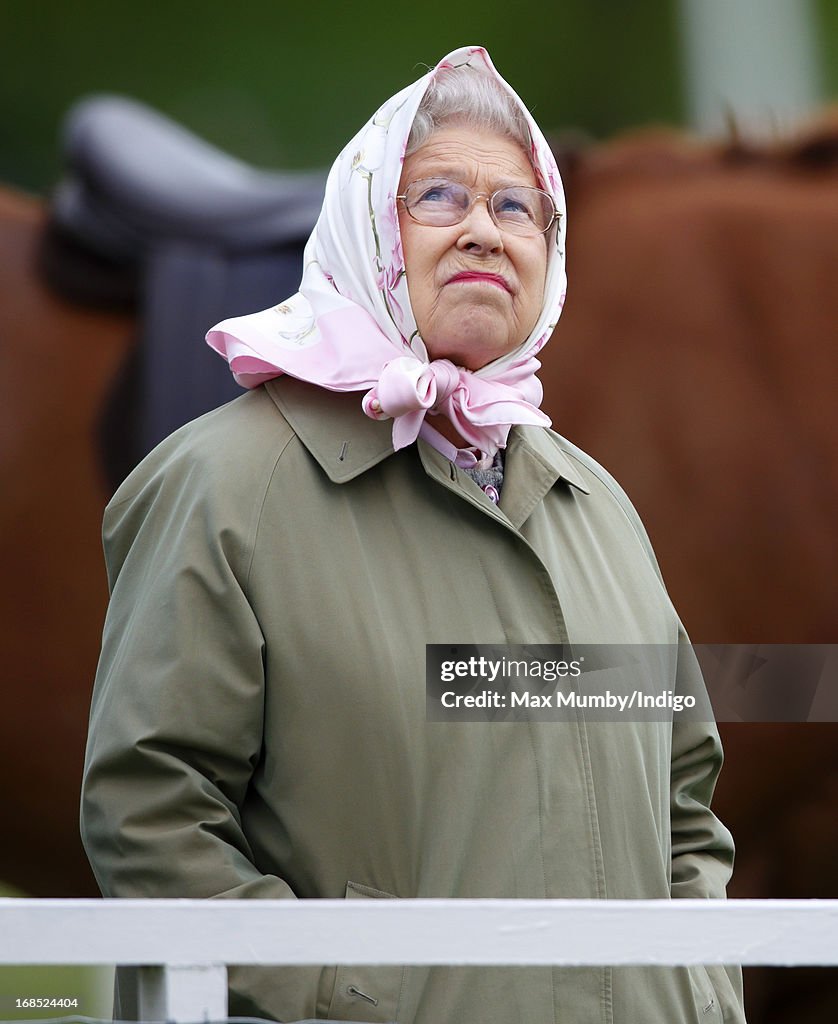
<point>406,385</point>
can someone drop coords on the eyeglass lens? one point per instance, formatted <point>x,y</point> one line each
<point>517,208</point>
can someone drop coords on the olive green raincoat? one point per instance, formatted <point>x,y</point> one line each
<point>259,728</point>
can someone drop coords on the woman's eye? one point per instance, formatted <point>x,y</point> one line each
<point>438,194</point>
<point>512,206</point>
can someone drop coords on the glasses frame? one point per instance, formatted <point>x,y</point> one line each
<point>488,196</point>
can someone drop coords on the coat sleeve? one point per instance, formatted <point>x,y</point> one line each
<point>702,848</point>
<point>177,715</point>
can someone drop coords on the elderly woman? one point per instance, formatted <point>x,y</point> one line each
<point>278,566</point>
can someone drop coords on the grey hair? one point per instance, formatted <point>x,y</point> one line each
<point>465,96</point>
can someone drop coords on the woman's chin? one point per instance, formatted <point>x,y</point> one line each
<point>471,350</point>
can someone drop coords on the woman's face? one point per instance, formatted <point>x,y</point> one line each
<point>476,291</point>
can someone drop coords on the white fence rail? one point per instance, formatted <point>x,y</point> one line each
<point>184,945</point>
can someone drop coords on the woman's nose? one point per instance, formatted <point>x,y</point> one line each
<point>479,231</point>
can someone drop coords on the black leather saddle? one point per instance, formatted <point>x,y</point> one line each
<point>137,179</point>
<point>198,236</point>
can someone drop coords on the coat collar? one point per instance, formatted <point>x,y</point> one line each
<point>346,443</point>
<point>333,427</point>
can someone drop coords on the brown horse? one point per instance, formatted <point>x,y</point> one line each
<point>56,364</point>
<point>695,359</point>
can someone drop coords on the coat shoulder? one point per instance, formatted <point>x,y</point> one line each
<point>209,479</point>
<point>230,448</point>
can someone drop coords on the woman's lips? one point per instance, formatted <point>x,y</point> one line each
<point>477,277</point>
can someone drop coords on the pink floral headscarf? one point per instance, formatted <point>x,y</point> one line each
<point>350,327</point>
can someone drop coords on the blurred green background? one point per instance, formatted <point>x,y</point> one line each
<point>285,85</point>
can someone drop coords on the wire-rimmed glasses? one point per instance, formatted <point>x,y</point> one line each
<point>518,209</point>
